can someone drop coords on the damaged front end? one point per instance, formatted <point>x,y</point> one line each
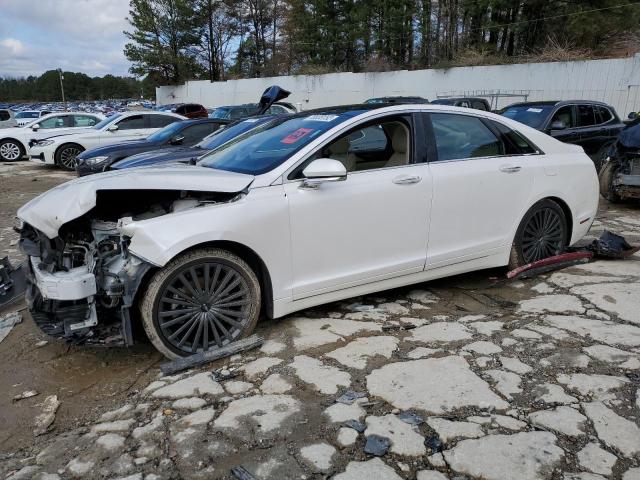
<point>83,282</point>
<point>620,173</point>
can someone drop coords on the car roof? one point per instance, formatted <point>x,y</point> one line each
<point>559,103</point>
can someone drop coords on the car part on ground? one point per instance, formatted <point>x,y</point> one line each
<point>592,125</point>
<point>259,224</point>
<point>620,173</point>
<point>12,282</point>
<point>175,136</point>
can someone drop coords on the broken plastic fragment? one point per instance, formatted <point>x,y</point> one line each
<point>410,418</point>
<point>350,396</point>
<point>377,445</point>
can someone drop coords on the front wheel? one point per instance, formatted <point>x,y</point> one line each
<point>605,178</point>
<point>542,233</point>
<point>66,155</point>
<point>11,150</point>
<point>203,299</point>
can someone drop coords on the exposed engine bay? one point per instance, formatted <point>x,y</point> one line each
<point>82,283</point>
<point>620,174</point>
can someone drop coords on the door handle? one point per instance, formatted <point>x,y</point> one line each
<point>406,179</point>
<point>510,168</point>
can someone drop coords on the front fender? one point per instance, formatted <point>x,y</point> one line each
<point>259,221</point>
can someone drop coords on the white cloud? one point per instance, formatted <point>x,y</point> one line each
<point>12,47</point>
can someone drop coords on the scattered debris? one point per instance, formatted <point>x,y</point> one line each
<point>377,445</point>
<point>13,282</point>
<point>549,264</point>
<point>610,245</point>
<point>350,396</point>
<point>241,473</point>
<point>41,343</point>
<point>201,358</point>
<point>392,327</point>
<point>26,394</point>
<point>356,425</point>
<point>410,418</point>
<point>434,444</point>
<point>8,322</point>
<point>48,415</point>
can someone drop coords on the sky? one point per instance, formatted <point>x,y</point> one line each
<point>75,35</point>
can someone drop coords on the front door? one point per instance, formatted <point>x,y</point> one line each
<point>369,227</point>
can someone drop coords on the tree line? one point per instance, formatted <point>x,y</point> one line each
<point>177,40</point>
<point>77,87</point>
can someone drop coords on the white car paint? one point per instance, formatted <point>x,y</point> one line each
<point>45,153</point>
<point>39,128</point>
<point>370,232</point>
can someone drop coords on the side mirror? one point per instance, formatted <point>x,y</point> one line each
<point>176,140</point>
<point>112,128</point>
<point>323,170</point>
<point>558,125</point>
<point>35,127</point>
<point>632,115</point>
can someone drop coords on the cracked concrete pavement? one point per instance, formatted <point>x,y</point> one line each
<point>466,378</point>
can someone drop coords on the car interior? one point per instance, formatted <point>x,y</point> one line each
<point>378,145</point>
<point>563,115</point>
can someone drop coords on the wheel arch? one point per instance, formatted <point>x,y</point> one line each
<point>65,144</point>
<point>18,141</point>
<point>567,213</point>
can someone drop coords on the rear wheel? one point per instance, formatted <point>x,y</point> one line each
<point>203,299</point>
<point>542,233</point>
<point>66,155</point>
<point>11,150</point>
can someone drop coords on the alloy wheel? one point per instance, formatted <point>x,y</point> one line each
<point>10,151</point>
<point>203,306</point>
<point>543,236</point>
<point>68,157</point>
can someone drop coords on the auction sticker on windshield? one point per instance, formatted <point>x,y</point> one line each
<point>297,135</point>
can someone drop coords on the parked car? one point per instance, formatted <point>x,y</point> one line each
<point>186,153</point>
<point>7,118</point>
<point>281,219</point>
<point>466,102</point>
<point>192,110</point>
<point>185,133</point>
<point>592,125</point>
<point>27,116</point>
<point>62,150</point>
<point>236,112</point>
<point>395,100</point>
<point>620,172</point>
<point>15,142</point>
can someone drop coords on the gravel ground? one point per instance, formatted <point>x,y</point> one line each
<point>461,378</point>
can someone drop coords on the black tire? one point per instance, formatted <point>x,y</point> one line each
<point>605,178</point>
<point>542,233</point>
<point>11,150</point>
<point>66,154</point>
<point>180,318</point>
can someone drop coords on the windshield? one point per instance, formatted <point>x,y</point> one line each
<point>532,115</point>
<point>166,132</point>
<point>227,133</point>
<point>106,121</point>
<point>220,112</point>
<point>28,115</point>
<point>267,146</point>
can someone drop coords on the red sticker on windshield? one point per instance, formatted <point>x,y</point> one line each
<point>297,135</point>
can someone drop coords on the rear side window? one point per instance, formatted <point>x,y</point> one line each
<point>160,121</point>
<point>603,114</point>
<point>514,142</point>
<point>586,117</point>
<point>4,115</point>
<point>462,136</point>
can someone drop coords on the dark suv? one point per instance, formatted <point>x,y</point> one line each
<point>592,125</point>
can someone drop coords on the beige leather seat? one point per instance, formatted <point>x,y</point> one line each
<point>400,144</point>
<point>340,151</point>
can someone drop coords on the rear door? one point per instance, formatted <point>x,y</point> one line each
<point>589,132</point>
<point>481,188</point>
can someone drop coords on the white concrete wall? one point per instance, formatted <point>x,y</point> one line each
<point>615,81</point>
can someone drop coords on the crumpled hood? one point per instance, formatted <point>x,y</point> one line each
<point>66,202</point>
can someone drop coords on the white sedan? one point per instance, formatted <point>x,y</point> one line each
<point>62,150</point>
<point>302,210</point>
<point>14,142</point>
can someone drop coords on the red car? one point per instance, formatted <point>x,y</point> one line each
<point>192,110</point>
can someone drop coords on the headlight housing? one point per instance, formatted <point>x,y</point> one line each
<point>44,143</point>
<point>94,160</point>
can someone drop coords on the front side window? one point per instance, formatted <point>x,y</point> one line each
<point>107,121</point>
<point>463,136</point>
<point>54,122</point>
<point>564,115</point>
<point>586,117</point>
<point>131,123</point>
